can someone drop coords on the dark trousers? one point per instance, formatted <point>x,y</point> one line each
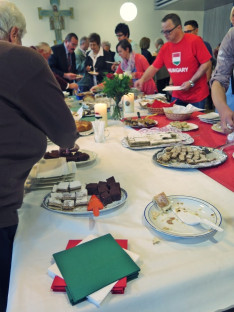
<point>6,243</point>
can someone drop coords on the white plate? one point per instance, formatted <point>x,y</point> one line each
<point>93,73</point>
<point>84,133</point>
<point>117,63</point>
<point>92,157</point>
<point>220,158</point>
<point>155,96</point>
<point>168,223</point>
<point>84,212</point>
<point>172,88</point>
<point>186,139</point>
<point>191,126</point>
<point>217,128</point>
<point>211,115</point>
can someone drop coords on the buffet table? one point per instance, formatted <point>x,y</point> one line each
<point>177,274</point>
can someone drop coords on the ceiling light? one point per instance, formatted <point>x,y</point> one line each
<point>128,11</point>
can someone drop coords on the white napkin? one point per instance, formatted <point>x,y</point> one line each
<point>48,168</point>
<point>98,296</point>
<point>178,109</point>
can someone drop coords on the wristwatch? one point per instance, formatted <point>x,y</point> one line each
<point>191,83</point>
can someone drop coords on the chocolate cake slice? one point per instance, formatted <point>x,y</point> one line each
<point>105,198</point>
<point>92,188</point>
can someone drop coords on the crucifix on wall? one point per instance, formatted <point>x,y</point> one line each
<point>56,18</point>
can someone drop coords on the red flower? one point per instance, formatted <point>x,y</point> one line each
<point>110,76</point>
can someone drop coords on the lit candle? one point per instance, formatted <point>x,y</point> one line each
<point>128,101</point>
<point>101,109</point>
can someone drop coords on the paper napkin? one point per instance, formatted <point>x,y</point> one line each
<point>94,265</point>
<point>119,287</point>
<point>178,109</point>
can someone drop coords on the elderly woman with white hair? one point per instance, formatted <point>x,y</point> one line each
<point>27,117</point>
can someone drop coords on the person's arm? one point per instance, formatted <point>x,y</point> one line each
<point>219,99</point>
<point>202,69</point>
<point>149,73</point>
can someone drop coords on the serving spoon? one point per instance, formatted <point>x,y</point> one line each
<point>192,219</point>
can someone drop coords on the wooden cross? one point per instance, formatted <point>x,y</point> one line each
<point>56,18</point>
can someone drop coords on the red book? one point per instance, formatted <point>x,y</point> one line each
<point>59,283</point>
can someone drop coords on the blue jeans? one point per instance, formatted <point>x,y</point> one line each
<point>200,104</point>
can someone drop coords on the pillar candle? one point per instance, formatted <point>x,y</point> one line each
<point>101,109</point>
<point>128,101</point>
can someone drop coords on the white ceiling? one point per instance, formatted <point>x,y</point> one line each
<point>195,5</point>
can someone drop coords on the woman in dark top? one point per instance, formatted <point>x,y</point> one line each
<point>96,61</point>
<point>144,45</point>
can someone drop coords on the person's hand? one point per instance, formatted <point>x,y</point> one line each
<point>227,119</point>
<point>138,84</point>
<point>94,89</point>
<point>73,86</point>
<point>70,76</point>
<point>88,68</point>
<point>186,86</point>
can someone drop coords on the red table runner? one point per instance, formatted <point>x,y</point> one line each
<point>205,136</point>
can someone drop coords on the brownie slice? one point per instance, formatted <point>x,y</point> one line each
<point>110,181</point>
<point>51,155</point>
<point>105,198</point>
<point>115,193</point>
<point>92,188</point>
<point>102,187</point>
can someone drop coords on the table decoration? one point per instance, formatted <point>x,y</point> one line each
<point>115,86</point>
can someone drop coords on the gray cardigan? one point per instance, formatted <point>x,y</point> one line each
<point>31,107</point>
<point>225,61</point>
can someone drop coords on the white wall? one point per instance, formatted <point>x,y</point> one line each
<point>98,16</point>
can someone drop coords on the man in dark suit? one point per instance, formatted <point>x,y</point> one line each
<point>63,61</point>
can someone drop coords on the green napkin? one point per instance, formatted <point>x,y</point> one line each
<point>91,266</point>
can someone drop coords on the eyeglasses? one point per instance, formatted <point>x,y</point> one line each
<point>119,35</point>
<point>167,32</point>
<point>189,31</point>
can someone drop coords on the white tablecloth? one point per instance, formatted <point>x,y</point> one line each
<point>176,275</point>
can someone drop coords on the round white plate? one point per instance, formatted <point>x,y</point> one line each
<point>84,133</point>
<point>93,73</point>
<point>217,128</point>
<point>191,126</point>
<point>220,158</point>
<point>83,211</point>
<point>168,223</point>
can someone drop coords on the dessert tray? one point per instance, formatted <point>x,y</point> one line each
<point>82,210</point>
<point>206,157</point>
<point>168,223</point>
<point>156,138</point>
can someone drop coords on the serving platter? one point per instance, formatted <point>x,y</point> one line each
<point>82,211</point>
<point>185,139</point>
<point>220,157</point>
<point>168,223</point>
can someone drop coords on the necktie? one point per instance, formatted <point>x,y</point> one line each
<point>69,63</point>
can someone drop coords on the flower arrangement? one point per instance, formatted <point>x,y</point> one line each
<point>115,86</point>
